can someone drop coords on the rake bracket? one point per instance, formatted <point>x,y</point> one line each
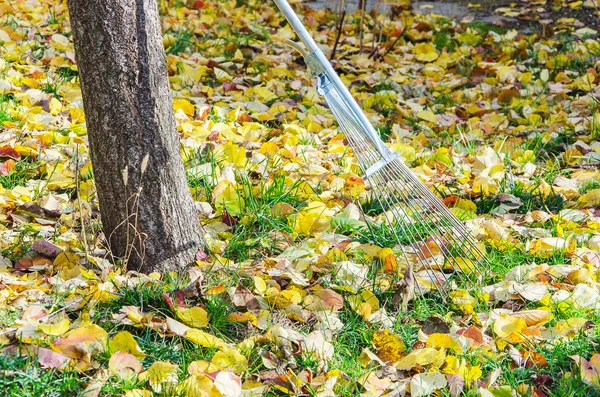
<point>380,164</point>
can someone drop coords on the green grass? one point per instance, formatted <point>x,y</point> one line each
<point>503,260</point>
<point>385,131</point>
<point>560,372</point>
<point>251,232</point>
<point>385,235</point>
<point>549,148</point>
<point>6,105</point>
<point>8,317</point>
<point>348,344</point>
<point>23,172</point>
<point>591,185</point>
<point>532,199</point>
<point>201,173</point>
<point>444,39</point>
<point>24,377</point>
<point>484,28</point>
<point>183,42</point>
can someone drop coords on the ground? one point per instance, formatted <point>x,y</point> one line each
<point>303,289</point>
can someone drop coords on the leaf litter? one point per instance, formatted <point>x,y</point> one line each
<point>301,289</point>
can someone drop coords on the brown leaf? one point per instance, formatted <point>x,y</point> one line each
<point>23,264</point>
<point>51,359</point>
<point>456,383</point>
<point>435,325</point>
<point>229,86</point>
<point>280,210</point>
<point>124,365</point>
<point>243,297</point>
<point>10,152</point>
<point>508,94</point>
<point>408,292</point>
<point>201,255</point>
<point>7,167</point>
<point>45,248</point>
<point>473,333</point>
<point>244,118</point>
<point>270,360</point>
<point>331,299</point>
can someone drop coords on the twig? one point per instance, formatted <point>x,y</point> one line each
<point>585,166</point>
<point>390,48</point>
<point>83,234</point>
<point>339,34</point>
<point>363,7</point>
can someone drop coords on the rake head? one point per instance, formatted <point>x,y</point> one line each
<point>432,239</point>
<point>434,243</point>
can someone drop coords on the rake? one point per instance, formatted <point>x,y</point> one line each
<point>435,244</point>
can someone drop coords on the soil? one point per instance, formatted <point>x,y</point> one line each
<point>535,16</point>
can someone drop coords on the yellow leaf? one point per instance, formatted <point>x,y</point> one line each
<point>264,94</point>
<point>184,105</point>
<point>161,376</point>
<point>260,285</point>
<point>195,317</point>
<point>4,37</point>
<point>124,341</point>
<point>216,290</point>
<point>533,317</point>
<point>506,74</point>
<point>548,246</point>
<point>427,115</point>
<point>55,106</point>
<point>229,357</point>
<point>199,385</point>
<point>507,325</point>
<point>60,41</point>
<point>485,186</point>
<point>389,346</point>
<point>233,154</point>
<point>425,52</point>
<point>314,217</point>
<point>222,75</point>
<point>426,383</point>
<point>77,115</point>
<point>463,301</point>
<point>198,367</point>
<point>590,199</point>
<point>245,317</point>
<point>226,197</point>
<point>79,343</point>
<point>203,338</point>
<point>56,329</point>
<point>422,357</point>
<point>26,151</point>
<point>437,340</point>
<point>292,296</point>
<point>365,310</point>
<point>367,357</point>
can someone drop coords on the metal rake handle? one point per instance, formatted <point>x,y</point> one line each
<point>320,65</point>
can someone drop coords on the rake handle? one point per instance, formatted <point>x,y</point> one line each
<point>314,49</point>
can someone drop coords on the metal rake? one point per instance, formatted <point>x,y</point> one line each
<point>434,242</point>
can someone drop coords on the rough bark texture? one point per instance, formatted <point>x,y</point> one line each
<point>147,216</point>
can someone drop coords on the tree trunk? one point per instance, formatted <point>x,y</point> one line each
<point>147,211</point>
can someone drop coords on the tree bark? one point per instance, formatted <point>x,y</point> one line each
<point>148,214</point>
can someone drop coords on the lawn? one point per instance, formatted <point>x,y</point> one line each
<point>302,288</point>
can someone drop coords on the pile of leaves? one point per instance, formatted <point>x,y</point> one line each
<point>301,289</point>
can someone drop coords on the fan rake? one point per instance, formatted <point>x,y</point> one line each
<point>434,242</point>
